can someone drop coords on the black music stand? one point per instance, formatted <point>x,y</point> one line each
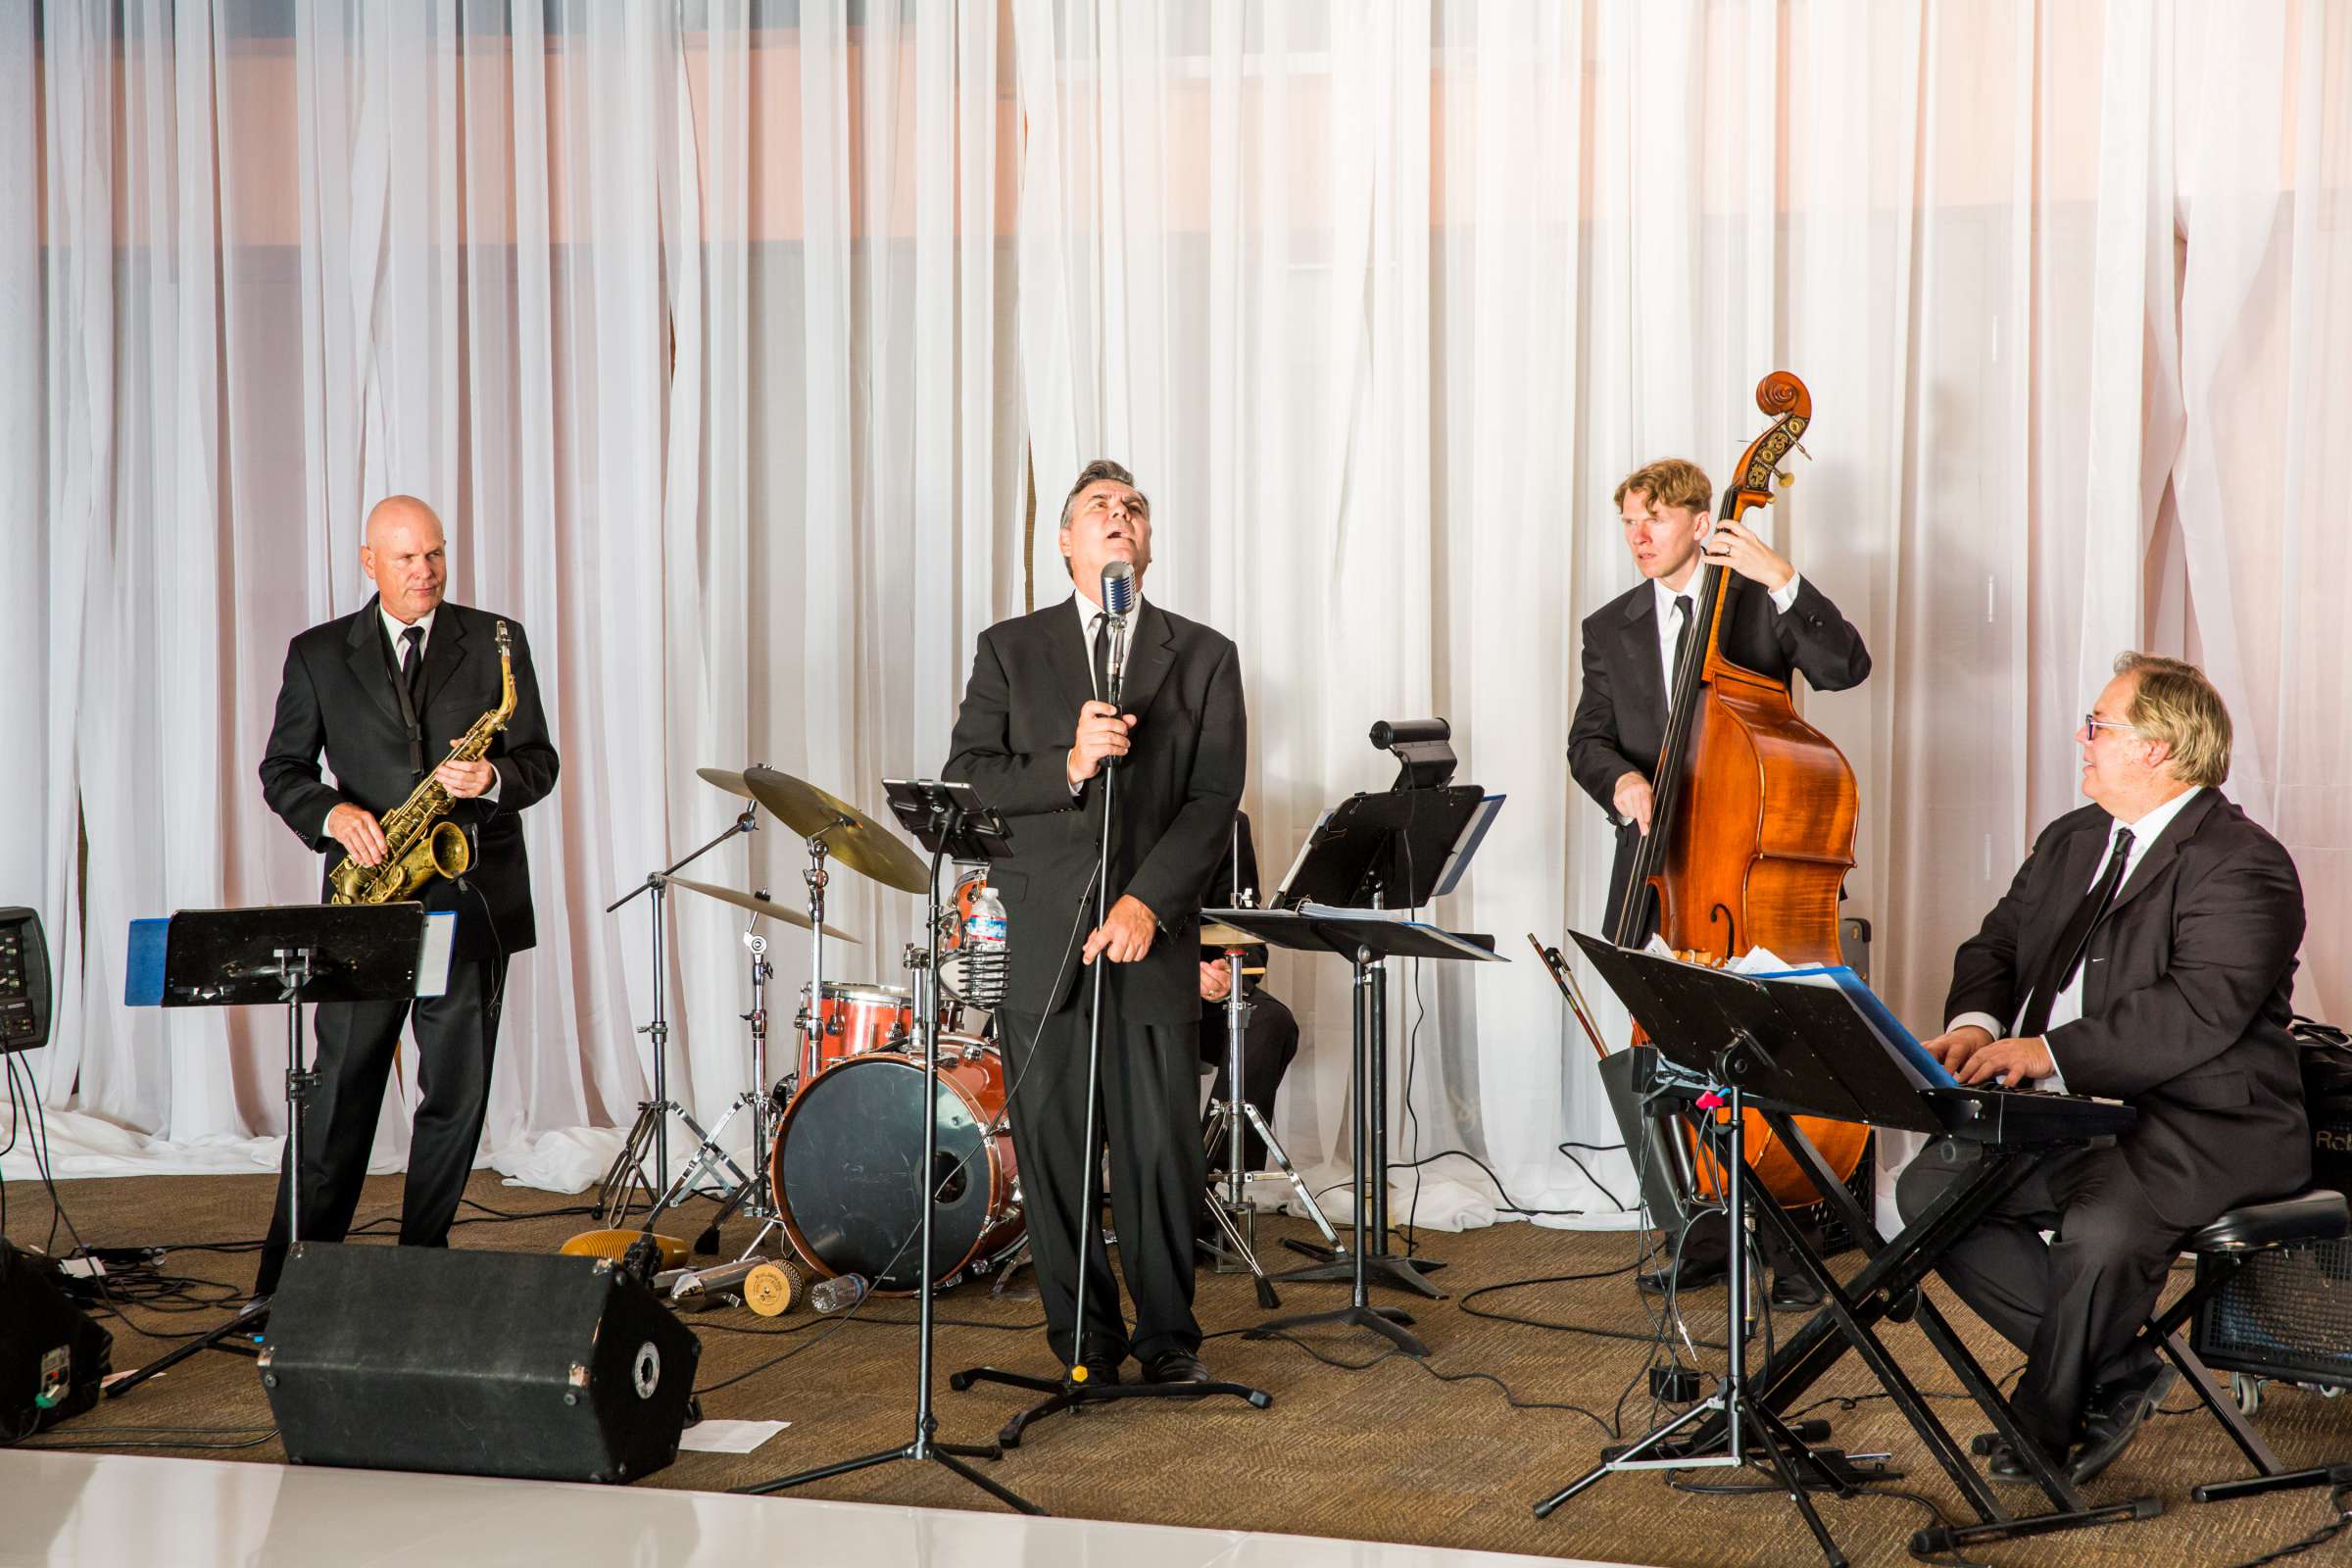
<point>1373,852</point>
<point>949,820</point>
<point>1364,940</point>
<point>1829,1061</point>
<point>288,954</point>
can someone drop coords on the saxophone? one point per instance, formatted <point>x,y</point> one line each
<point>420,841</point>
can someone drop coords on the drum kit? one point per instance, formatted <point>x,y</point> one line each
<point>837,1136</point>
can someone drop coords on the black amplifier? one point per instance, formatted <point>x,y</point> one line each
<point>52,1355</point>
<point>2288,1315</point>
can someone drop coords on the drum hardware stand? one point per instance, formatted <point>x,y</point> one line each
<point>1071,1390</point>
<point>649,1133</point>
<point>1231,1209</point>
<point>750,1192</point>
<point>954,816</point>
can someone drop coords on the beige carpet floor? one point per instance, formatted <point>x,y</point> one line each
<point>1448,1453</point>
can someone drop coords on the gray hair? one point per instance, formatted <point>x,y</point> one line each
<point>1095,472</point>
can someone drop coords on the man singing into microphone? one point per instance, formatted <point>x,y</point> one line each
<point>1036,734</point>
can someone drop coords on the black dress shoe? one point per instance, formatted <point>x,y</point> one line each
<point>2004,1464</point>
<point>1792,1291</point>
<point>1101,1370</point>
<point>2115,1417</point>
<point>1175,1367</point>
<point>1656,1281</point>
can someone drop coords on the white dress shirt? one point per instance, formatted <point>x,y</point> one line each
<point>2067,1007</point>
<point>1670,616</point>
<point>397,630</point>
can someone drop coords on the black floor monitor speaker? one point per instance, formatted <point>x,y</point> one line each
<point>475,1364</point>
<point>52,1355</point>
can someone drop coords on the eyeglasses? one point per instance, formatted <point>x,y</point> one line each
<point>2092,724</point>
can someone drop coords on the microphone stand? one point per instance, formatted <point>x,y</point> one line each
<point>948,821</point>
<point>1072,1390</point>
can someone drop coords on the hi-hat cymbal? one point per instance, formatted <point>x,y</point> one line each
<point>852,837</point>
<point>1229,935</point>
<point>757,904</point>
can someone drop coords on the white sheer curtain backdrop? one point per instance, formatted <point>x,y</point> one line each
<point>721,331</point>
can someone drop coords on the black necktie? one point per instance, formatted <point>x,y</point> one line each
<point>1101,656</point>
<point>2066,956</point>
<point>411,667</point>
<point>1681,635</point>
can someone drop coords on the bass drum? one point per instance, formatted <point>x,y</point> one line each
<point>845,1169</point>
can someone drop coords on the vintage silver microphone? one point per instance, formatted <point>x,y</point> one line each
<point>1118,602</point>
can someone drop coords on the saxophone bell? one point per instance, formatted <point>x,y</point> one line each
<point>452,851</point>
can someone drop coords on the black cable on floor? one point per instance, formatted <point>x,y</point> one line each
<point>250,1443</point>
<point>1396,1352</point>
<point>1774,1485</point>
<point>2340,1500</point>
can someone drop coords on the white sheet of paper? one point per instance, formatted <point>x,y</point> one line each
<point>728,1437</point>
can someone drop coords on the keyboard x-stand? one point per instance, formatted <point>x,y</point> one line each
<point>1823,1061</point>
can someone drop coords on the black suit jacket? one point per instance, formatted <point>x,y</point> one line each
<point>1178,789</point>
<point>2186,998</point>
<point>1620,722</point>
<point>337,698</point>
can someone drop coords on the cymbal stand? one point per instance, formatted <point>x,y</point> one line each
<point>751,1193</point>
<point>813,1036</point>
<point>649,1135</point>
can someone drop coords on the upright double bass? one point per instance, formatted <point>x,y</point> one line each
<point>1752,825</point>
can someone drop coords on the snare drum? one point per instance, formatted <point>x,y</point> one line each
<point>846,1167</point>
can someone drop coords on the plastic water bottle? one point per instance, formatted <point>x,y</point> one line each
<point>985,940</point>
<point>838,1293</point>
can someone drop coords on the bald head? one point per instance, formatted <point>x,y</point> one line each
<point>406,557</point>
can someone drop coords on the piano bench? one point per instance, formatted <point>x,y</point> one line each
<point>2221,1247</point>
<point>2317,1215</point>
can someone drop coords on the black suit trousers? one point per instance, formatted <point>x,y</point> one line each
<point>1268,1044</point>
<point>1150,1093</point>
<point>457,1036</point>
<point>2075,1303</point>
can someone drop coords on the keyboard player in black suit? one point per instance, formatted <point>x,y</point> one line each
<point>2146,952</point>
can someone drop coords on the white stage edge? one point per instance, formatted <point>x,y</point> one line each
<point>80,1510</point>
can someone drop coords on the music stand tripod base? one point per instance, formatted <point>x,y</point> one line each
<point>1364,940</point>
<point>945,819</point>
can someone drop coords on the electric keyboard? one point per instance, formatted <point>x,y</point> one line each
<point>1983,1113</point>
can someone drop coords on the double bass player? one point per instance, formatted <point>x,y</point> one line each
<point>1631,648</point>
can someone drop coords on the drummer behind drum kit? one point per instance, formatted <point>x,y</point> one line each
<point>837,1137</point>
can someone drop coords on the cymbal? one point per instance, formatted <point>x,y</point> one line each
<point>726,779</point>
<point>852,837</point>
<point>757,904</point>
<point>1229,935</point>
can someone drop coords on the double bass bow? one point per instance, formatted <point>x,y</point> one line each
<point>1752,827</point>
